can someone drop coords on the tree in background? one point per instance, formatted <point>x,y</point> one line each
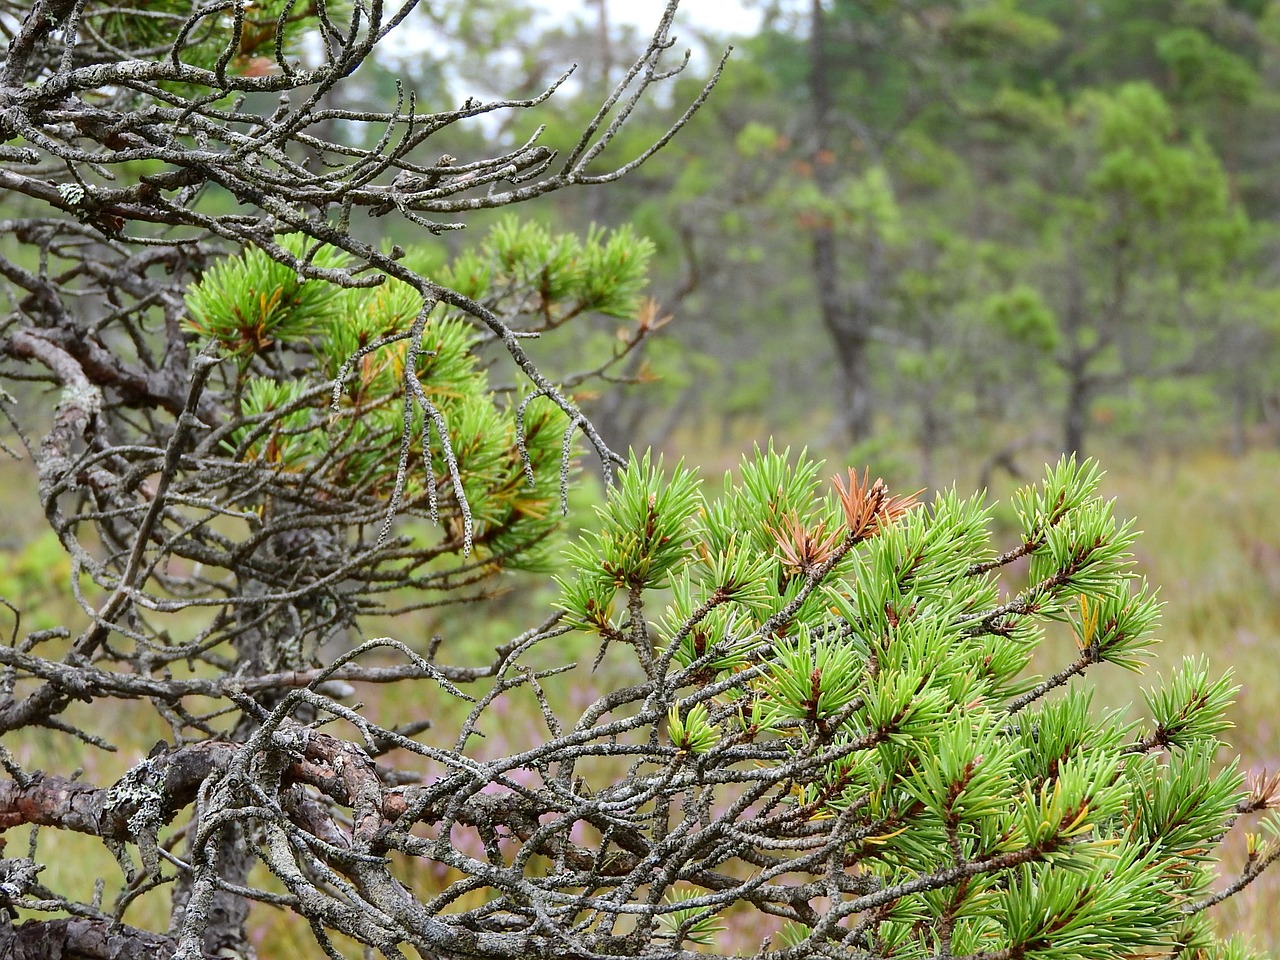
<point>1135,219</point>
<point>875,78</point>
<point>966,135</point>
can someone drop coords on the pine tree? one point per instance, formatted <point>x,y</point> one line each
<point>271,434</point>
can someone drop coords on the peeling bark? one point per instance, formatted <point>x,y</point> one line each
<point>79,938</point>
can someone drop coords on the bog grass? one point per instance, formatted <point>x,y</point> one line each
<point>1212,542</point>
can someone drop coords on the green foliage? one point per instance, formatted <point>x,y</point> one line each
<point>697,925</point>
<point>559,275</point>
<point>863,643</point>
<point>1204,70</point>
<point>1113,156</point>
<point>810,680</point>
<point>31,580</point>
<point>996,27</point>
<point>278,426</point>
<point>496,481</point>
<point>246,43</point>
<point>642,537</point>
<point>252,302</point>
<point>756,139</point>
<point>1012,109</point>
<point>693,732</point>
<point>1170,199</point>
<point>1021,315</point>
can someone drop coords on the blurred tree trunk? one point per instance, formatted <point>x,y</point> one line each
<point>1075,362</point>
<point>1076,416</point>
<point>846,317</point>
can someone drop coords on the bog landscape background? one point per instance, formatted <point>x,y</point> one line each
<point>949,241</point>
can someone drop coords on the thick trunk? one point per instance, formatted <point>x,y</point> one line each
<point>848,331</point>
<point>1076,414</point>
<point>1239,412</point>
<point>1079,355</point>
<point>272,638</point>
<point>844,316</point>
<point>82,938</point>
<point>931,431</point>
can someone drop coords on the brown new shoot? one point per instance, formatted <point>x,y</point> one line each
<point>803,549</point>
<point>868,506</point>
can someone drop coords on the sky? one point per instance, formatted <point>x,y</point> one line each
<point>724,16</point>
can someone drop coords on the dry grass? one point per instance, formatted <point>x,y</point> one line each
<point>1211,542</point>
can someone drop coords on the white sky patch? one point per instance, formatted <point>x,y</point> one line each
<point>721,16</point>
<point>696,20</point>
